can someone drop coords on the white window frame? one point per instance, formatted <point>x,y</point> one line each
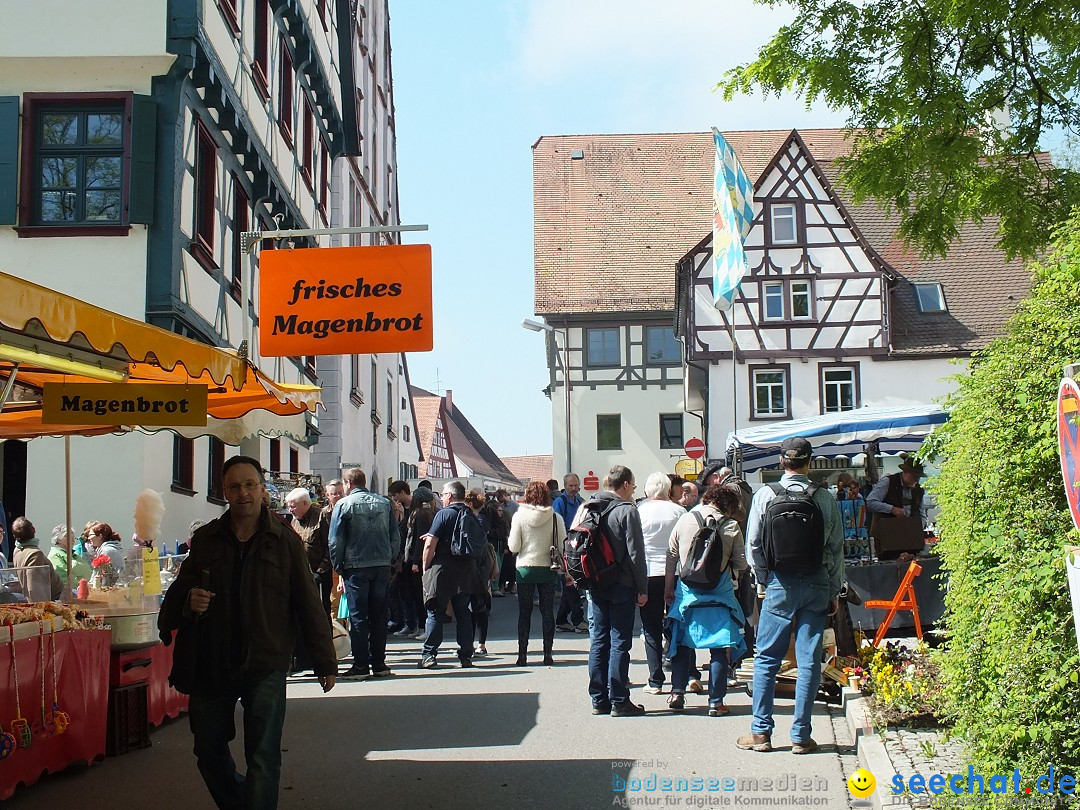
<point>809,316</point>
<point>930,288</point>
<point>838,386</point>
<point>770,413</point>
<point>766,296</point>
<point>781,212</point>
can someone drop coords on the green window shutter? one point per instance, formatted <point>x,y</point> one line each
<point>143,147</point>
<point>9,159</point>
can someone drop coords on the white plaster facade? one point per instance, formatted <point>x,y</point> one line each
<point>152,272</point>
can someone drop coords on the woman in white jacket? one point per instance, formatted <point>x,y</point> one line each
<point>536,536</point>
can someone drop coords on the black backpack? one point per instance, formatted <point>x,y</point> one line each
<point>590,557</point>
<point>794,530</point>
<point>469,538</point>
<point>708,559</point>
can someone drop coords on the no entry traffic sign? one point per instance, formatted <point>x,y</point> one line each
<point>695,448</point>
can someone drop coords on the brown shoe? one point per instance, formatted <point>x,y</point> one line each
<point>807,747</point>
<point>755,742</point>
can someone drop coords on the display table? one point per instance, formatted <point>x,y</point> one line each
<point>82,670</point>
<point>161,699</point>
<point>880,581</point>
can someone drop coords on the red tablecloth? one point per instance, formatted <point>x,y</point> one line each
<point>161,699</point>
<point>82,668</point>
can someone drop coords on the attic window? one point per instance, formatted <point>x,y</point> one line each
<point>577,154</point>
<point>930,297</point>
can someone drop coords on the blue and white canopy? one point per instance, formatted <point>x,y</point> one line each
<point>839,434</point>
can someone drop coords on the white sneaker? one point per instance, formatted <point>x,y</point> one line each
<point>654,690</point>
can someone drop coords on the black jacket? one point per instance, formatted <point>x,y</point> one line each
<point>277,595</point>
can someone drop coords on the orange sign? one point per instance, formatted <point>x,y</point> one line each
<point>349,300</point>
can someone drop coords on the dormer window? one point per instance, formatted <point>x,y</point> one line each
<point>930,297</point>
<point>784,227</point>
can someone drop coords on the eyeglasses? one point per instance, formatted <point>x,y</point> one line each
<point>246,486</point>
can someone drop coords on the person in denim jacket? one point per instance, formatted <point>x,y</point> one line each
<point>364,541</point>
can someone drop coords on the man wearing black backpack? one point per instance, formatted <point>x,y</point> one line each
<point>796,540</point>
<point>613,606</point>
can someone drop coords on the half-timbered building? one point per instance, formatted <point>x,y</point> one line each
<point>834,314</point>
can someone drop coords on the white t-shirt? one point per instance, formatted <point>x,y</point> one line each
<point>658,518</point>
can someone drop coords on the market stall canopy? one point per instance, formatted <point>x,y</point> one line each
<point>46,336</point>
<point>839,434</point>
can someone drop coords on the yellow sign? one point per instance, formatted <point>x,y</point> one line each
<point>348,300</point>
<point>151,572</point>
<point>688,468</point>
<point>123,404</point>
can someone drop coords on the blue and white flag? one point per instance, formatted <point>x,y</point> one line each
<point>733,213</point>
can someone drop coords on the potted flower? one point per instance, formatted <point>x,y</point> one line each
<point>102,565</point>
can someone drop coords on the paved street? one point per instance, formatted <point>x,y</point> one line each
<point>493,736</point>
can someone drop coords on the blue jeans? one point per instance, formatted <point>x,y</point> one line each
<point>792,604</point>
<point>611,630</point>
<point>366,590</point>
<point>463,620</point>
<point>683,660</point>
<point>212,723</point>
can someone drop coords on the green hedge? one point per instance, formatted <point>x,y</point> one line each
<point>1011,661</point>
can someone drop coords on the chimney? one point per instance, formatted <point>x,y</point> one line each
<point>448,398</point>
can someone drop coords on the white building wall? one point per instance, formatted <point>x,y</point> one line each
<point>883,384</point>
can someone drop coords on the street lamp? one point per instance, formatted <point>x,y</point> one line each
<point>538,326</point>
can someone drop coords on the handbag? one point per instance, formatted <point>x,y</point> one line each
<point>556,558</point>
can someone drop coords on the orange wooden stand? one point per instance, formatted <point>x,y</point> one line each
<point>904,600</point>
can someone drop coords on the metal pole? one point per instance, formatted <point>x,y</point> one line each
<point>248,239</point>
<point>67,511</point>
<point>9,386</point>
<point>566,394</point>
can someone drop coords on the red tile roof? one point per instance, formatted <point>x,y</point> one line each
<point>529,468</point>
<point>634,205</point>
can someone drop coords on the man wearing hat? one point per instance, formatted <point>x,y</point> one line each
<point>899,494</point>
<point>798,601</point>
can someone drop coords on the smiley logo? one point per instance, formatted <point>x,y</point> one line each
<point>861,783</point>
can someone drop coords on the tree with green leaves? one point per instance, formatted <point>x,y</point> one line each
<point>1011,660</point>
<point>949,103</point>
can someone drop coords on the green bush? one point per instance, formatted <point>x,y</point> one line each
<point>1011,662</point>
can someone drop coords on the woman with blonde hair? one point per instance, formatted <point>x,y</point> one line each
<point>536,536</point>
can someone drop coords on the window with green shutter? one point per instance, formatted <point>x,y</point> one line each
<point>87,165</point>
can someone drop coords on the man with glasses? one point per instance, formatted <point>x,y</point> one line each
<point>448,580</point>
<point>613,607</point>
<point>240,593</point>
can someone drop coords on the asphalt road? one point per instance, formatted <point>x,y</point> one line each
<point>489,737</point>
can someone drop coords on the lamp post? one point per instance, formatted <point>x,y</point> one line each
<point>538,326</point>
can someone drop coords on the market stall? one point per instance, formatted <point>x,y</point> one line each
<point>865,433</point>
<point>48,338</point>
<point>53,693</point>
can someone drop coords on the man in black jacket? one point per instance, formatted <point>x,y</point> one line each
<point>613,608</point>
<point>244,586</point>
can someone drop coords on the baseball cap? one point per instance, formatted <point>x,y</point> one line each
<point>796,448</point>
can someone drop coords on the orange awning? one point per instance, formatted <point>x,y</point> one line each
<point>39,326</point>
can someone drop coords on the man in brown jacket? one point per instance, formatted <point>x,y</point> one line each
<point>244,586</point>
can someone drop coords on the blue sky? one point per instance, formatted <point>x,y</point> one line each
<point>475,84</point>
